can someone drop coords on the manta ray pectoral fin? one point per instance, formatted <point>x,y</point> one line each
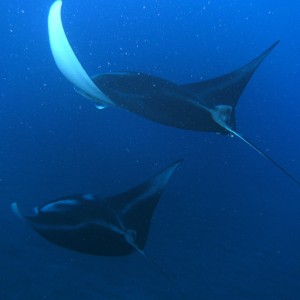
<point>227,89</point>
<point>66,59</point>
<point>136,206</point>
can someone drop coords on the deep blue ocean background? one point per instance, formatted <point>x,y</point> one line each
<point>227,226</point>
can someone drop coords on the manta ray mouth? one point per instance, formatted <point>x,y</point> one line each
<point>66,59</point>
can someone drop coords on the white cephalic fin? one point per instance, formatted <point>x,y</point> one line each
<point>15,209</point>
<point>67,61</point>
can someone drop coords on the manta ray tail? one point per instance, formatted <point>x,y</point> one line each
<point>264,155</point>
<point>224,92</point>
<point>162,272</point>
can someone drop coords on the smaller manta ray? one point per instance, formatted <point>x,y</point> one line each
<point>201,106</point>
<point>114,226</point>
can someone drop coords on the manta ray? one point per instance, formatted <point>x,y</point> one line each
<point>200,106</point>
<point>113,226</point>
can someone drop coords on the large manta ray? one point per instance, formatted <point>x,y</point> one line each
<point>113,226</point>
<point>203,106</point>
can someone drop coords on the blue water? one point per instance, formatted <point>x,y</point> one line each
<point>227,226</point>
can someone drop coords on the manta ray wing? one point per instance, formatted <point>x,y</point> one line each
<point>66,59</point>
<point>226,90</point>
<point>135,207</point>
